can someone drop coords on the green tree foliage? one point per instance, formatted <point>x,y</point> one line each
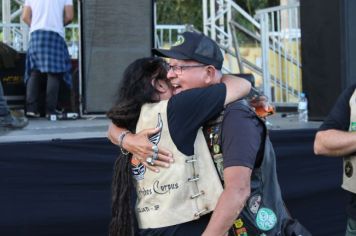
<point>190,11</point>
<point>251,6</point>
<point>180,12</point>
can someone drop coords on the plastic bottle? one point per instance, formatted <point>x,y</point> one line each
<point>303,108</point>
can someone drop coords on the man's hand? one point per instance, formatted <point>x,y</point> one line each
<point>261,105</point>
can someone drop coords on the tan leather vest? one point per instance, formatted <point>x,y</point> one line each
<point>189,188</point>
<point>349,176</point>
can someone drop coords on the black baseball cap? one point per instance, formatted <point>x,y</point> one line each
<point>194,46</point>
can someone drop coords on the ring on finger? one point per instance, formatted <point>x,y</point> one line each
<point>150,161</point>
<point>155,148</point>
<point>155,156</point>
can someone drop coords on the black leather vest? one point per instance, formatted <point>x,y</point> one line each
<point>264,212</point>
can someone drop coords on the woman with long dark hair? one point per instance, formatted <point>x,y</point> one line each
<point>137,87</point>
<point>143,86</point>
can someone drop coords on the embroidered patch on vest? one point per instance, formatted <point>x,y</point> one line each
<point>138,169</point>
<point>156,137</point>
<point>348,169</point>
<point>353,126</point>
<point>241,232</point>
<point>238,223</point>
<point>266,219</point>
<point>254,203</point>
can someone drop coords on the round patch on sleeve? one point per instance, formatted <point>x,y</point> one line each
<point>349,169</point>
<point>266,219</point>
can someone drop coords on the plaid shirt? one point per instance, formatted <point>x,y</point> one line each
<point>48,53</point>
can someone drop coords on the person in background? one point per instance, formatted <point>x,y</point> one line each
<point>47,53</point>
<point>7,120</point>
<point>337,137</point>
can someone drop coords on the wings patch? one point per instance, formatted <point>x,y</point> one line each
<point>138,169</point>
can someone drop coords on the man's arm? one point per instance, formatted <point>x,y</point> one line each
<point>27,15</point>
<point>140,146</point>
<point>334,142</point>
<point>68,14</point>
<point>231,201</point>
<point>333,138</point>
<point>241,149</point>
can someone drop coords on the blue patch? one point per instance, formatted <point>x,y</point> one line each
<point>266,219</point>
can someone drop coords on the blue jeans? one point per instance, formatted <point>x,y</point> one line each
<point>4,109</point>
<point>351,227</point>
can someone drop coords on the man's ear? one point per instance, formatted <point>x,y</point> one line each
<point>211,72</point>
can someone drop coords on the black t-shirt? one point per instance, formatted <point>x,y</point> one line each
<point>242,136</point>
<point>339,118</point>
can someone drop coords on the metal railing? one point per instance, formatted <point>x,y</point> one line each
<point>270,49</point>
<point>19,37</point>
<point>165,35</point>
<point>281,56</point>
<point>16,35</point>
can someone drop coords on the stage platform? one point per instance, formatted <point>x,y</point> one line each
<point>42,129</point>
<point>55,178</point>
<point>96,126</point>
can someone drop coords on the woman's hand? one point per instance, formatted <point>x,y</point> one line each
<point>141,149</point>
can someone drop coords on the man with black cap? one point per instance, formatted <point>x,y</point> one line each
<point>251,201</point>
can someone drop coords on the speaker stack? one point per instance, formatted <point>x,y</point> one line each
<point>113,34</point>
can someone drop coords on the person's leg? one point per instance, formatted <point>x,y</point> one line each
<point>32,94</point>
<point>53,82</point>
<point>351,227</point>
<point>7,120</point>
<point>4,109</point>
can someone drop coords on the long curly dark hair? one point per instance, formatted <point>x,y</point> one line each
<point>136,88</point>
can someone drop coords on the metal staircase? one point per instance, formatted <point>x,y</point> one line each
<point>274,32</point>
<point>14,33</point>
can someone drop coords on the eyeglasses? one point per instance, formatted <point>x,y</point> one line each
<point>178,69</point>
